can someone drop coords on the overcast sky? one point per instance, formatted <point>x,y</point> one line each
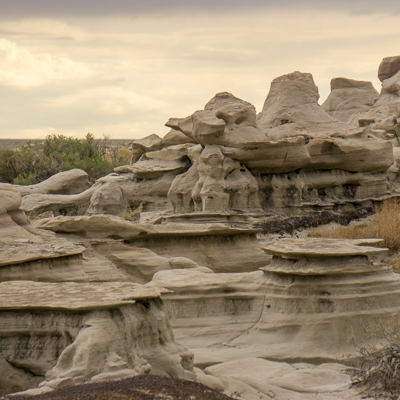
<point>123,68</point>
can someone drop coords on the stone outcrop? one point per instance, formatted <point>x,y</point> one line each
<point>217,246</point>
<point>321,293</point>
<point>68,182</point>
<point>388,67</point>
<point>83,332</point>
<point>291,109</point>
<point>349,97</point>
<point>28,253</point>
<point>221,184</point>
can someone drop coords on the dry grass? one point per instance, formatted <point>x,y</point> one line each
<point>384,225</point>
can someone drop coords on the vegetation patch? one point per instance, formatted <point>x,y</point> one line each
<point>376,372</point>
<point>385,225</point>
<point>35,162</point>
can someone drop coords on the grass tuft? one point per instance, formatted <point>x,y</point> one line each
<point>385,225</point>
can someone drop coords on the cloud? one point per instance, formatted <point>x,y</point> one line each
<point>112,100</point>
<point>95,8</point>
<point>136,71</point>
<point>19,67</point>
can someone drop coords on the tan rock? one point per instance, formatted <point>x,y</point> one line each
<point>364,153</point>
<point>68,182</point>
<point>150,169</point>
<point>120,328</point>
<point>141,146</point>
<point>349,97</point>
<point>139,263</point>
<point>174,137</point>
<point>176,152</point>
<point>388,67</point>
<point>291,109</point>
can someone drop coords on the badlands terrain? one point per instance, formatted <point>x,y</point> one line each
<point>193,262</point>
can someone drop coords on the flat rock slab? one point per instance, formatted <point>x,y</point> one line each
<point>27,295</point>
<point>23,250</point>
<point>323,247</point>
<point>107,226</point>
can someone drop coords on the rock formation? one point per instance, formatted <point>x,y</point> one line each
<point>348,98</point>
<point>76,332</point>
<point>97,288</point>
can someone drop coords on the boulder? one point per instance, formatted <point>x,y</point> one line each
<point>141,146</point>
<point>349,97</point>
<point>388,67</point>
<point>174,137</point>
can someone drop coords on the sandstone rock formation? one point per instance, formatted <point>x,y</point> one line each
<point>349,97</point>
<point>217,246</point>
<point>68,182</point>
<point>82,332</point>
<point>168,241</point>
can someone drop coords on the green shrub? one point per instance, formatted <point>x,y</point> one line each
<point>34,163</point>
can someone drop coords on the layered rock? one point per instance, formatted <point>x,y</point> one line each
<point>73,333</point>
<point>28,253</point>
<point>321,294</point>
<point>218,246</point>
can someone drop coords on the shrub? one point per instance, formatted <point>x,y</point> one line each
<point>378,370</point>
<point>34,163</point>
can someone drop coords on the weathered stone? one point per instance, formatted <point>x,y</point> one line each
<point>349,97</point>
<point>68,182</point>
<point>119,326</point>
<point>150,169</point>
<point>291,109</point>
<point>388,67</point>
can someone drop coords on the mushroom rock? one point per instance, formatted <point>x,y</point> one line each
<point>225,120</point>
<point>349,97</point>
<point>319,295</point>
<point>76,332</point>
<point>388,67</point>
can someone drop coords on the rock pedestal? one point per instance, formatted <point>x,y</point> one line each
<point>321,294</point>
<point>68,333</point>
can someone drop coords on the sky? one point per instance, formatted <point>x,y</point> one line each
<point>122,68</point>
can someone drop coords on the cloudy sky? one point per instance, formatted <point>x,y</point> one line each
<point>122,68</point>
